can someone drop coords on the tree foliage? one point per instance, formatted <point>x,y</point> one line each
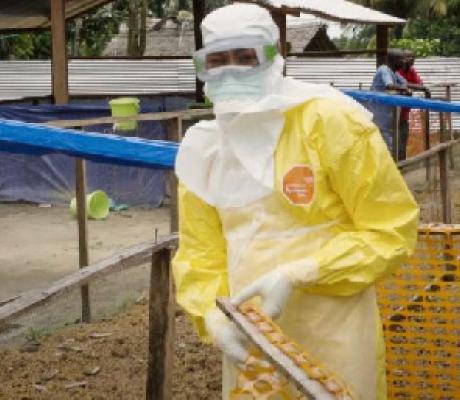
<point>92,31</point>
<point>89,35</point>
<point>433,27</point>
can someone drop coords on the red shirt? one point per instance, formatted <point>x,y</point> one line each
<point>411,76</point>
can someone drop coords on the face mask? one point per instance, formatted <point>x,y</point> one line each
<point>232,88</point>
<point>234,93</point>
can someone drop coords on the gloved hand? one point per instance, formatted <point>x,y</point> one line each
<point>276,287</point>
<point>226,336</point>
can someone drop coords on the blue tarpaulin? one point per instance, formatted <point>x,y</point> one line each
<point>404,101</point>
<point>50,176</point>
<point>133,174</point>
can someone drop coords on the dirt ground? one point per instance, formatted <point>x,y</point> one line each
<point>106,360</point>
<point>39,245</point>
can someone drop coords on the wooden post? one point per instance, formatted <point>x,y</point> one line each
<point>449,124</point>
<point>395,144</point>
<point>161,329</point>
<point>445,187</point>
<point>59,74</point>
<point>60,88</point>
<point>174,135</point>
<point>198,15</point>
<point>280,19</point>
<point>83,256</point>
<point>449,115</point>
<point>442,128</point>
<point>427,142</point>
<point>444,173</point>
<point>382,33</point>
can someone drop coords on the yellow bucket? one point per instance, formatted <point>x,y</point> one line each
<point>97,205</point>
<point>125,107</point>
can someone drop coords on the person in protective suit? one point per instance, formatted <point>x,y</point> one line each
<point>288,199</point>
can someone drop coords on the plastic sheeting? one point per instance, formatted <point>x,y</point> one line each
<point>50,178</point>
<point>404,101</point>
<point>19,137</point>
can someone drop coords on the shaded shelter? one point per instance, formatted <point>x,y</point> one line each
<point>18,15</point>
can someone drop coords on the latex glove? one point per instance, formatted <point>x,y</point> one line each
<point>275,288</point>
<point>226,336</point>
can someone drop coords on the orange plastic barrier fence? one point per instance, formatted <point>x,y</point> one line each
<point>420,308</point>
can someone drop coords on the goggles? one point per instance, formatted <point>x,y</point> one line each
<point>239,55</point>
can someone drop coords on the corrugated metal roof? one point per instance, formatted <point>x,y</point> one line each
<point>34,14</point>
<point>337,10</point>
<point>20,79</point>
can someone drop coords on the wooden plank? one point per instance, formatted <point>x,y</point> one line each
<point>161,329</point>
<point>428,153</point>
<point>295,11</point>
<point>174,135</point>
<point>281,361</point>
<point>59,75</point>
<point>82,220</point>
<point>127,258</point>
<point>161,116</point>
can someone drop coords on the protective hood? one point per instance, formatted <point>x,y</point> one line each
<point>236,20</point>
<point>229,162</point>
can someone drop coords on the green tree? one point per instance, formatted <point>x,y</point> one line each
<point>407,9</point>
<point>87,38</point>
<point>433,26</point>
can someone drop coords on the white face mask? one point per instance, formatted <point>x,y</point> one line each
<point>231,90</point>
<point>233,93</point>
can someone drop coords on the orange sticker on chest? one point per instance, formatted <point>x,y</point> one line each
<point>299,185</point>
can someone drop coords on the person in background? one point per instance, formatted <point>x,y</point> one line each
<point>387,80</point>
<point>414,82</point>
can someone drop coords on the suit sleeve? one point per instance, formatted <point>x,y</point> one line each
<point>383,212</point>
<point>199,266</point>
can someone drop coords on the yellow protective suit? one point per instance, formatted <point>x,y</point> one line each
<point>338,200</point>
